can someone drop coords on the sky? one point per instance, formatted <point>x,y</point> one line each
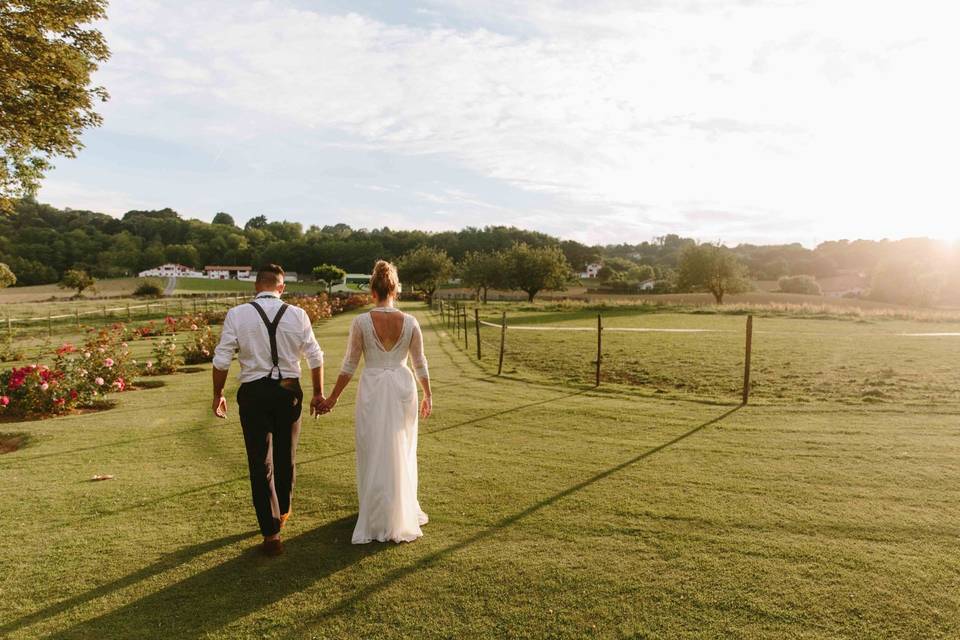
<point>605,121</point>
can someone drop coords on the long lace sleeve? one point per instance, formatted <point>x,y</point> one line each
<point>416,352</point>
<point>354,349</point>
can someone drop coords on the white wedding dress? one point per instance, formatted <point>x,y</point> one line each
<point>386,429</point>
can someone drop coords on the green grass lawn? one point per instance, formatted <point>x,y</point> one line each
<point>556,511</point>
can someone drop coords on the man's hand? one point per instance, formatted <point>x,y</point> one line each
<point>315,405</point>
<point>220,407</point>
<point>326,405</point>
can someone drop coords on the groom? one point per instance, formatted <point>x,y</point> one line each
<point>270,338</point>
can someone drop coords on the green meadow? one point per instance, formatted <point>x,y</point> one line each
<point>653,506</point>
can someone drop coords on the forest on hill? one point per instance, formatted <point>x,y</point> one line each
<point>40,242</point>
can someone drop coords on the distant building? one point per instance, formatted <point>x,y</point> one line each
<point>591,270</point>
<point>647,285</point>
<point>171,269</point>
<point>224,272</point>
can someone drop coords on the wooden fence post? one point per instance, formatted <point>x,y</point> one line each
<point>104,312</point>
<point>49,325</point>
<point>746,361</point>
<point>76,313</point>
<point>129,317</point>
<point>466,334</point>
<point>9,328</point>
<point>181,306</point>
<point>503,340</point>
<point>599,345</point>
<point>476,323</point>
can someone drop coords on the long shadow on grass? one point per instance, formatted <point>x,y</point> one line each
<point>428,560</point>
<point>165,563</point>
<point>335,454</point>
<point>212,599</point>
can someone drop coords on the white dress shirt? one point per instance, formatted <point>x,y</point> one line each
<point>245,333</point>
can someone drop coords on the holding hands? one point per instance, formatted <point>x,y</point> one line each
<point>325,405</point>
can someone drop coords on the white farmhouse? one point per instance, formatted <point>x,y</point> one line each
<point>224,272</point>
<point>591,270</point>
<point>170,270</point>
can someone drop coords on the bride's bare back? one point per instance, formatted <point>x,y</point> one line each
<point>388,328</point>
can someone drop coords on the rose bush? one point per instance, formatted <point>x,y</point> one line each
<point>165,357</point>
<point>201,349</point>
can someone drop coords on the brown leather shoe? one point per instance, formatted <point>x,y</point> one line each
<point>272,548</point>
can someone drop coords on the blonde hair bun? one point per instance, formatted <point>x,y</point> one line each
<point>384,280</point>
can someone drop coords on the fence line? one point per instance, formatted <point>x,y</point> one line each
<point>460,314</point>
<point>103,310</point>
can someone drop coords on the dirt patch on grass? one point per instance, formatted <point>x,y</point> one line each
<point>10,442</point>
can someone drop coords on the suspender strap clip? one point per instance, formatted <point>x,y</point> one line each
<point>272,332</point>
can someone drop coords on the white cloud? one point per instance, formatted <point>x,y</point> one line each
<point>794,119</point>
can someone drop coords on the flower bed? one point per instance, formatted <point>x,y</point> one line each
<point>77,378</point>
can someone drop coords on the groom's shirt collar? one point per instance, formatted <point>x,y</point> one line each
<point>267,294</point>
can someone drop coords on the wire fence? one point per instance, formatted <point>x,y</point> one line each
<point>724,358</point>
<point>104,313</point>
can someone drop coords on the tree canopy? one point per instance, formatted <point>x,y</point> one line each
<point>48,52</point>
<point>712,268</point>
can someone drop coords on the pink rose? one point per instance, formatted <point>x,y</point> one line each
<point>102,349</point>
<point>4,401</point>
<point>98,380</point>
<point>149,364</point>
<point>108,362</point>
<point>193,327</point>
<point>44,386</point>
<point>86,354</point>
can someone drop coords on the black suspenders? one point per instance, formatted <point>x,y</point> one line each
<point>272,332</point>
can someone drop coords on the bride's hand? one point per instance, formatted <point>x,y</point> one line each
<point>327,405</point>
<point>426,407</point>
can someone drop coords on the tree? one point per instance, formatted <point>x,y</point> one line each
<point>425,269</point>
<point>256,222</point>
<point>225,219</point>
<point>641,273</point>
<point>620,265</point>
<point>800,284</point>
<point>532,269</point>
<point>712,268</point>
<point>7,277</point>
<point>328,274</point>
<point>47,55</point>
<point>76,279</point>
<point>483,270</point>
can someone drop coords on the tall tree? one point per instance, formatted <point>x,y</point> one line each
<point>533,269</point>
<point>425,269</point>
<point>713,268</point>
<point>47,55</point>
<point>483,270</point>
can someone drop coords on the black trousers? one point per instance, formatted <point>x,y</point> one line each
<point>270,416</point>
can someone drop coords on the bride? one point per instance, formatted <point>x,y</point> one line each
<point>386,413</point>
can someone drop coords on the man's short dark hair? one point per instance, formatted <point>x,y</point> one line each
<point>269,275</point>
